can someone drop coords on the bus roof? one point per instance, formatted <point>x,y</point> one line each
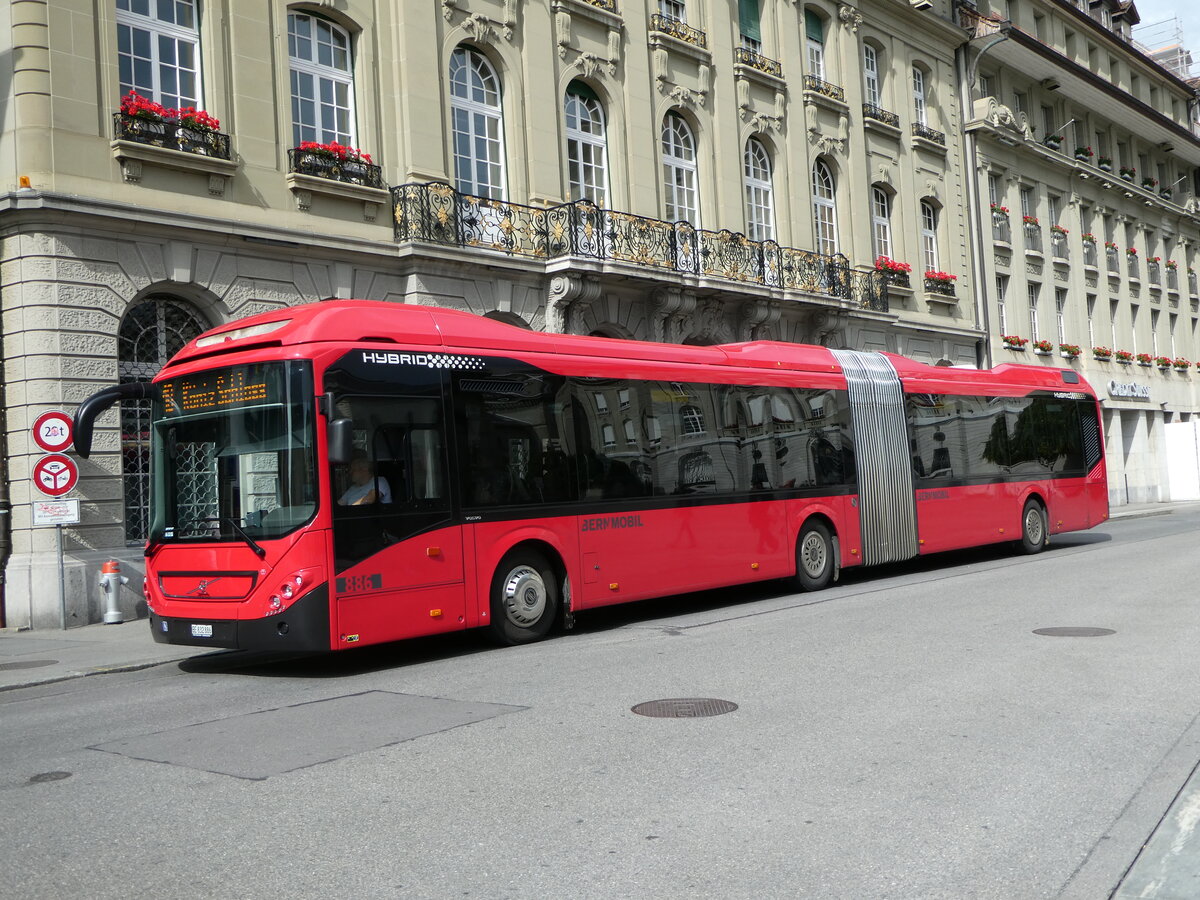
<point>376,322</point>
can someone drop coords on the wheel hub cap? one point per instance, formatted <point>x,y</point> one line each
<point>812,555</point>
<point>524,596</point>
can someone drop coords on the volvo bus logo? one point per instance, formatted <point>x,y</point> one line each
<point>201,590</point>
<point>428,360</point>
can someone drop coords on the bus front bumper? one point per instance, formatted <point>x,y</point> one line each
<point>301,628</point>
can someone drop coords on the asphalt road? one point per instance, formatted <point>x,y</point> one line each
<point>904,734</point>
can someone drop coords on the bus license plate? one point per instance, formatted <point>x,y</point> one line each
<point>201,630</point>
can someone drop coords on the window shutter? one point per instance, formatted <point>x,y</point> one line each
<point>748,19</point>
<point>813,29</point>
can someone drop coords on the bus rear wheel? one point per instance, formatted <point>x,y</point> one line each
<point>814,556</point>
<point>1034,530</point>
<point>525,597</point>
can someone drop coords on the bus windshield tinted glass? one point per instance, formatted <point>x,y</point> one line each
<point>233,454</point>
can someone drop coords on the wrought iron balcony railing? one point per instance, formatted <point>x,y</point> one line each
<point>608,5</point>
<point>1153,272</point>
<point>438,214</point>
<point>1172,279</point>
<point>940,287</point>
<point>679,29</point>
<point>1000,229</point>
<point>879,114</point>
<point>929,134</point>
<point>755,60</point>
<point>170,135</point>
<point>824,88</point>
<point>1033,237</point>
<point>347,171</point>
<point>1112,261</point>
<point>1089,253</point>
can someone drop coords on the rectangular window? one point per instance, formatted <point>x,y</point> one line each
<point>158,54</point>
<point>1091,310</point>
<point>675,9</point>
<point>920,115</point>
<point>871,74</point>
<point>1060,305</point>
<point>1001,312</point>
<point>1028,204</point>
<point>1033,290</point>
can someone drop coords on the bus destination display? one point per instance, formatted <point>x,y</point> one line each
<point>214,390</point>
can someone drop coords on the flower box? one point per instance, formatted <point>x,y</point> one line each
<point>186,129</point>
<point>1014,341</point>
<point>336,162</point>
<point>1043,348</point>
<point>1069,351</point>
<point>1123,356</point>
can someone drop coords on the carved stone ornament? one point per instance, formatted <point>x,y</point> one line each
<point>686,96</point>
<point>1002,118</point>
<point>569,296</point>
<point>758,318</point>
<point>850,17</point>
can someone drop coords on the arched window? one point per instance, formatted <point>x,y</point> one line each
<point>322,86</point>
<point>874,94</point>
<point>587,153</point>
<point>824,210</point>
<point>929,241</point>
<point>150,334</point>
<point>679,170</point>
<point>881,221</point>
<point>158,51</point>
<point>814,34</point>
<point>760,200</point>
<point>476,123</point>
<point>920,113</point>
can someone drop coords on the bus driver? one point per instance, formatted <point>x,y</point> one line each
<point>365,486</point>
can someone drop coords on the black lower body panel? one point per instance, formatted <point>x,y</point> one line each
<point>302,627</point>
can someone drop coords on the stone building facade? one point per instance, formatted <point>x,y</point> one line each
<point>1088,169</point>
<point>672,170</point>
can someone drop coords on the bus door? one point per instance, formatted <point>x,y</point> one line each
<point>398,556</point>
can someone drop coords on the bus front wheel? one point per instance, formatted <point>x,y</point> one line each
<point>1034,530</point>
<point>524,598</point>
<point>814,556</point>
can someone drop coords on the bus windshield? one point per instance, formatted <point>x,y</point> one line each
<point>233,453</point>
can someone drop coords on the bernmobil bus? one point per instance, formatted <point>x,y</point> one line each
<point>351,472</point>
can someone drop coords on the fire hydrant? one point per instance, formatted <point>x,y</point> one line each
<point>111,580</point>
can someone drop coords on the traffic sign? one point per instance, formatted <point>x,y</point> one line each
<point>55,474</point>
<point>53,431</point>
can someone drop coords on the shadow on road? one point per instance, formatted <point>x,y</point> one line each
<point>398,654</point>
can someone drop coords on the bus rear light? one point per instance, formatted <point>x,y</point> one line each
<point>274,605</point>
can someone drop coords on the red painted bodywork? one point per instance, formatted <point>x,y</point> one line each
<point>440,581</point>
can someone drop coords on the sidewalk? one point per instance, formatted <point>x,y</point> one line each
<point>40,657</point>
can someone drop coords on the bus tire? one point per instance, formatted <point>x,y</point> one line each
<point>1034,529</point>
<point>814,556</point>
<point>524,601</point>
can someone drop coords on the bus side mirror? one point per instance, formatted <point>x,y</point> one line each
<point>341,441</point>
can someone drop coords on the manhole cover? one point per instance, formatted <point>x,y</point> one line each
<point>684,708</point>
<point>28,664</point>
<point>43,777</point>
<point>1074,631</point>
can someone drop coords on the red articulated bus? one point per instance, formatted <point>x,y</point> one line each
<point>353,472</point>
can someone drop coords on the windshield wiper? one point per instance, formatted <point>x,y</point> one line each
<point>233,523</point>
<point>259,551</point>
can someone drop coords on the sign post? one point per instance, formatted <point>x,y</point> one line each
<point>55,475</point>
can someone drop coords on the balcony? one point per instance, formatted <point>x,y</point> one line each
<point>438,214</point>
<point>824,88</point>
<point>679,30</point>
<point>170,136</point>
<point>925,133</point>
<point>1059,248</point>
<point>346,171</point>
<point>1172,279</point>
<point>744,56</point>
<point>1089,254</point>
<point>940,287</point>
<point>879,114</point>
<point>1001,232</point>
<point>1033,238</point>
<point>1154,273</point>
<point>1112,261</point>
